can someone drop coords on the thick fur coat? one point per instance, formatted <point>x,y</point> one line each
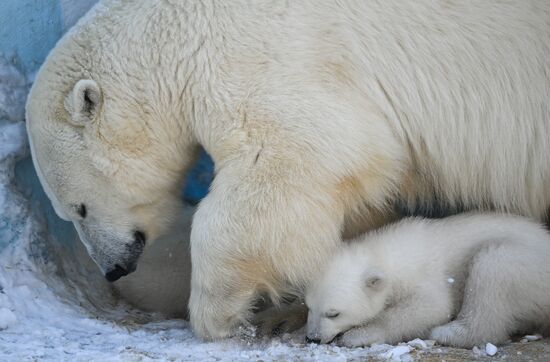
<point>462,281</point>
<point>319,115</point>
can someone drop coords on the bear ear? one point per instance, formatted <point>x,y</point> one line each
<point>374,279</point>
<point>84,102</point>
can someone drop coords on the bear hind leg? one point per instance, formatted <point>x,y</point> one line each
<point>487,313</point>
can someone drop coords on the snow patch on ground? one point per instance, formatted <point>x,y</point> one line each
<point>397,353</point>
<point>531,338</point>
<point>490,349</point>
<point>7,318</point>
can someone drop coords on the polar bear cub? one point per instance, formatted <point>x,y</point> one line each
<point>462,281</point>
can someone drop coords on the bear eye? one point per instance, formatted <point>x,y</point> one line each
<point>81,210</point>
<point>332,314</point>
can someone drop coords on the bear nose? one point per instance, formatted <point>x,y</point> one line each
<point>120,271</point>
<point>139,238</point>
<point>312,340</point>
<point>116,273</point>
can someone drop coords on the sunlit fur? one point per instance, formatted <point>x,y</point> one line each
<point>462,281</point>
<point>314,112</point>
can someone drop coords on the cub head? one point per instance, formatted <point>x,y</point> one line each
<point>350,292</point>
<point>110,156</point>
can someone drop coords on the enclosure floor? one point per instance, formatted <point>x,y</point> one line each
<point>532,351</point>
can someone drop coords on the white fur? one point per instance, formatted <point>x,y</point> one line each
<point>314,112</point>
<point>488,273</point>
<point>161,282</point>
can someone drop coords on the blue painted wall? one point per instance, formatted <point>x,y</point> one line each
<point>28,30</point>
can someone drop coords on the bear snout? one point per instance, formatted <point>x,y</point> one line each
<point>125,263</point>
<point>133,251</point>
<point>139,238</point>
<point>119,272</point>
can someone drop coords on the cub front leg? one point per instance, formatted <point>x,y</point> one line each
<point>255,234</point>
<point>411,317</point>
<point>363,336</point>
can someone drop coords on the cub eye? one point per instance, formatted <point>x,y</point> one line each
<point>332,315</point>
<point>81,210</point>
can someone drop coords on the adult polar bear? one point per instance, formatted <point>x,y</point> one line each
<point>314,112</point>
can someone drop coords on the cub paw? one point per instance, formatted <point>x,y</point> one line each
<point>359,337</point>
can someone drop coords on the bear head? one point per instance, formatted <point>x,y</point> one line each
<point>350,292</point>
<point>109,153</point>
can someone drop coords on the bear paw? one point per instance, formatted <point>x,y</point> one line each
<point>277,321</point>
<point>453,334</point>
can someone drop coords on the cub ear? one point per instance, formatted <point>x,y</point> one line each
<point>84,101</point>
<point>374,279</point>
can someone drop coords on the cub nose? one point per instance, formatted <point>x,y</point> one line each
<point>312,340</point>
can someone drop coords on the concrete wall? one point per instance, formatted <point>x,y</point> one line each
<point>30,28</point>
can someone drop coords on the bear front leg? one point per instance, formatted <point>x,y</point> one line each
<point>255,234</point>
<point>363,336</point>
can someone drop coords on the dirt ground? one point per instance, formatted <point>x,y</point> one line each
<point>518,351</point>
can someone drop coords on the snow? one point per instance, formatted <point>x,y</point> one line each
<point>490,349</point>
<point>530,338</point>
<point>7,318</point>
<point>420,344</point>
<point>397,353</point>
